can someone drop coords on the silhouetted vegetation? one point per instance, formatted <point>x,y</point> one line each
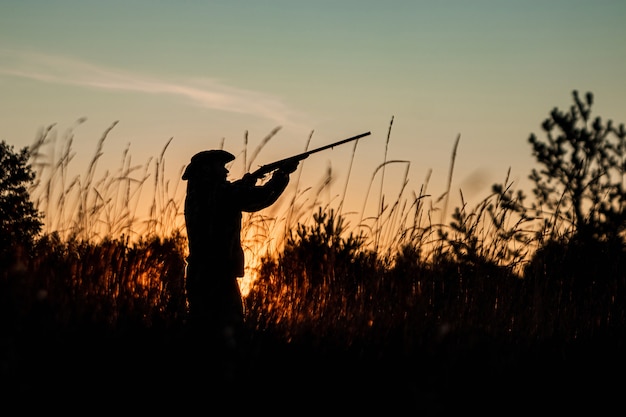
<point>394,307</point>
<point>20,222</point>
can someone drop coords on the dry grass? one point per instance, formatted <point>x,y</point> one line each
<point>397,285</point>
<point>91,208</point>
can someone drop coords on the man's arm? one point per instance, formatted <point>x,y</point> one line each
<point>251,197</point>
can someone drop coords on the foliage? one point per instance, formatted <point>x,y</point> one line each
<point>319,248</point>
<point>582,180</point>
<point>112,284</point>
<point>315,258</point>
<point>408,286</point>
<point>580,201</point>
<point>490,233</point>
<point>19,220</point>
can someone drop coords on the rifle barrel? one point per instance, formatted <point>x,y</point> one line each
<point>341,142</point>
<point>264,169</point>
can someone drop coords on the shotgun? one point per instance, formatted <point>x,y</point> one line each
<point>266,169</point>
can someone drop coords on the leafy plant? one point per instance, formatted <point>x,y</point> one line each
<point>20,222</point>
<point>582,179</point>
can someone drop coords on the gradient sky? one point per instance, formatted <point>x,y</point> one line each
<point>205,71</point>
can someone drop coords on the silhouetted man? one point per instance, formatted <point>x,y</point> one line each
<point>213,215</point>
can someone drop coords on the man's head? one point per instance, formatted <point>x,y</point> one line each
<point>208,164</point>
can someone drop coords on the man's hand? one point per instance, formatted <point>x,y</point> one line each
<point>248,179</point>
<point>289,166</point>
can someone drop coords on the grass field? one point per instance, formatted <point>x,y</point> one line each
<point>393,314</point>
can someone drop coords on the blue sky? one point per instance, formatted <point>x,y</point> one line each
<point>206,72</point>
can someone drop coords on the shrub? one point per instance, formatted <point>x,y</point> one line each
<point>19,220</point>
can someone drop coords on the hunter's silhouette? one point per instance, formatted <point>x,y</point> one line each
<point>213,215</point>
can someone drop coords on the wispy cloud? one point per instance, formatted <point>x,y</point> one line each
<point>206,92</point>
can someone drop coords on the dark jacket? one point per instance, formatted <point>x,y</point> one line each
<point>213,215</point>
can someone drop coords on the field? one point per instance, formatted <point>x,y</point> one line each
<point>495,312</point>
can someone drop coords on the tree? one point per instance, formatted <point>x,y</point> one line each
<point>583,174</point>
<point>580,187</point>
<point>20,222</point>
<point>580,197</point>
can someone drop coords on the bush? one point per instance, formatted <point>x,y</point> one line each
<point>19,220</point>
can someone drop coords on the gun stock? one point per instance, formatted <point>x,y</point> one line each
<point>266,169</point>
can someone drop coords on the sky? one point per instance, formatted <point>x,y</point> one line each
<point>416,74</point>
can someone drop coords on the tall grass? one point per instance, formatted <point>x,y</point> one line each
<point>396,281</point>
<point>91,208</point>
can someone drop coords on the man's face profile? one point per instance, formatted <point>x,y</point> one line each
<point>214,171</point>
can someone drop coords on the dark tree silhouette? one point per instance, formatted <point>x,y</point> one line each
<point>580,196</point>
<point>20,222</point>
<point>582,179</point>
